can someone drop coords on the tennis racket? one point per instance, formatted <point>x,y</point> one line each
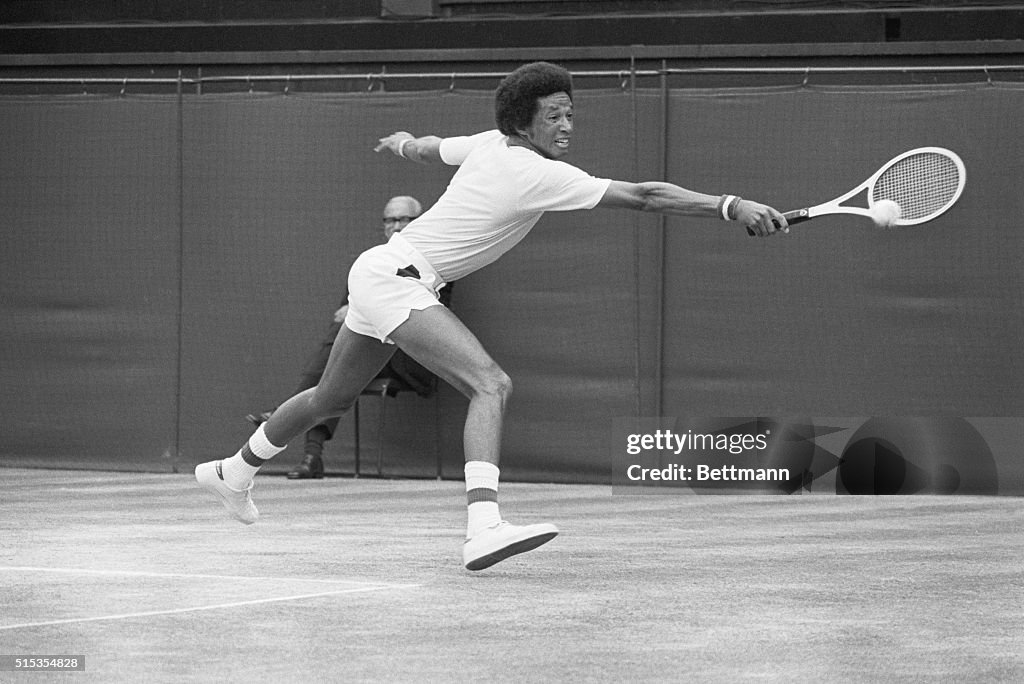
<point>924,182</point>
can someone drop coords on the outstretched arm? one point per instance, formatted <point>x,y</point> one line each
<point>666,198</point>
<point>406,145</point>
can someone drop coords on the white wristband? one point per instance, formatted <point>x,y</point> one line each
<point>401,147</point>
<point>724,206</point>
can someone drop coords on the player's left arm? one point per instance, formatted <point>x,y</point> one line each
<point>666,198</point>
<point>424,150</point>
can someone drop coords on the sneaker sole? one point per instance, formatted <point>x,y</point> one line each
<point>512,549</point>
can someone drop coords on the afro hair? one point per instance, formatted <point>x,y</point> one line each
<point>515,101</point>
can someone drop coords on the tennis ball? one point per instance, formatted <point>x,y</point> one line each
<point>885,213</point>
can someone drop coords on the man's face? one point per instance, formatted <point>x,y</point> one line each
<point>551,128</point>
<point>397,215</point>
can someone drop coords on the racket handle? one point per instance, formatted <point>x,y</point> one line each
<point>795,216</point>
<point>798,216</point>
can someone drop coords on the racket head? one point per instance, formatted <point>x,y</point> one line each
<point>924,182</point>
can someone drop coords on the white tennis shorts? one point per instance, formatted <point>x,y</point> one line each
<point>385,284</point>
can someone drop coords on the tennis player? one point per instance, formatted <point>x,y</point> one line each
<point>507,179</point>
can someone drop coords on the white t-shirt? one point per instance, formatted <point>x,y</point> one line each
<point>495,198</point>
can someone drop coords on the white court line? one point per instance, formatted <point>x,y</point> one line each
<point>175,611</point>
<point>186,575</point>
<point>125,616</point>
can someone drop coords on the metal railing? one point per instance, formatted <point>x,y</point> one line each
<point>381,78</point>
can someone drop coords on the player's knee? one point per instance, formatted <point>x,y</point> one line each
<point>504,385</point>
<point>496,383</point>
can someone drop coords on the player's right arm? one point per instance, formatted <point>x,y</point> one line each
<point>423,150</point>
<point>666,198</point>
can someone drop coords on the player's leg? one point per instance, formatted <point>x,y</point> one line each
<point>354,361</point>
<point>312,464</point>
<point>312,370</point>
<point>438,340</point>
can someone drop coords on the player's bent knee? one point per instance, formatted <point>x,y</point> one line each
<point>504,385</point>
<point>497,383</point>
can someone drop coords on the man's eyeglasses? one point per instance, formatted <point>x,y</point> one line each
<point>397,219</point>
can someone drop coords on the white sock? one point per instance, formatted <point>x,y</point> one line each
<point>481,496</point>
<point>237,472</point>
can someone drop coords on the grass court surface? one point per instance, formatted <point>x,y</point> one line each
<point>362,581</point>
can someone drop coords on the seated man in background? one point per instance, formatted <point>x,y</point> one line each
<point>398,212</point>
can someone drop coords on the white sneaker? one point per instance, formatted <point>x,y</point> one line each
<point>238,503</point>
<point>497,542</point>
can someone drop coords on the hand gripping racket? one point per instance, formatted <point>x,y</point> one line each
<point>924,183</point>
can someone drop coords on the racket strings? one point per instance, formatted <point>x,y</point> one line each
<point>922,184</point>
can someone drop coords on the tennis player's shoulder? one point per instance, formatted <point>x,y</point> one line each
<point>490,137</point>
<point>456,149</point>
<point>486,140</point>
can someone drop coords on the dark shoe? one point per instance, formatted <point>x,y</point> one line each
<point>311,468</point>
<point>258,419</point>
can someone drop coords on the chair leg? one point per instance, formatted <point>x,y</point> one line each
<point>355,412</point>
<point>437,433</point>
<point>380,437</point>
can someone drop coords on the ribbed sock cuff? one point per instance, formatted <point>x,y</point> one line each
<point>260,446</point>
<point>480,474</point>
<point>481,496</point>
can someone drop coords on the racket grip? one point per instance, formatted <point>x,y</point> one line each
<point>798,216</point>
<point>795,216</point>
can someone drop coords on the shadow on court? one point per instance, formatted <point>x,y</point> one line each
<point>361,580</point>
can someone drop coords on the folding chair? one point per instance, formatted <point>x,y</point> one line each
<point>384,388</point>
